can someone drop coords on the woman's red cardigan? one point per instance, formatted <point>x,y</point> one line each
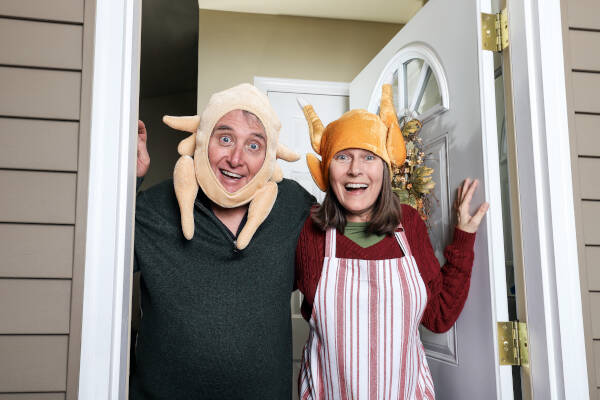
<point>447,287</point>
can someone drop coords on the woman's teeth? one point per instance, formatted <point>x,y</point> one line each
<point>355,186</point>
<point>230,174</point>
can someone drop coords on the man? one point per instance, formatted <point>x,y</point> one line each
<point>216,313</point>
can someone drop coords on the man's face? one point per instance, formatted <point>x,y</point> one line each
<point>237,148</point>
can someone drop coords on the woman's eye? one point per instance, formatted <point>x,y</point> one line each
<point>254,146</point>
<point>370,157</point>
<point>341,157</point>
<point>225,139</point>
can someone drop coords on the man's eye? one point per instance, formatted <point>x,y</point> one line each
<point>225,139</point>
<point>370,157</point>
<point>254,146</point>
<point>341,157</point>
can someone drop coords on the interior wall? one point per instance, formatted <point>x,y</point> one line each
<point>235,47</point>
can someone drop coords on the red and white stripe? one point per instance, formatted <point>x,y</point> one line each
<point>364,330</point>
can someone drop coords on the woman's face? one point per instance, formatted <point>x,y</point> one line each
<point>356,176</point>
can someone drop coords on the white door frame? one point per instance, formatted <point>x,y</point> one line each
<point>300,86</point>
<point>103,372</point>
<point>553,301</point>
<point>552,287</point>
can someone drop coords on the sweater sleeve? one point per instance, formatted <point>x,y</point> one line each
<point>309,262</point>
<point>448,286</point>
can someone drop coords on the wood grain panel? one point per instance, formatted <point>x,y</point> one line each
<point>583,46</point>
<point>587,131</point>
<point>590,220</point>
<point>589,178</point>
<point>36,251</point>
<point>33,396</point>
<point>55,10</point>
<point>592,258</point>
<point>583,14</point>
<point>38,197</point>
<point>586,92</point>
<point>33,363</point>
<point>37,144</point>
<point>34,306</point>
<point>40,44</point>
<point>39,93</point>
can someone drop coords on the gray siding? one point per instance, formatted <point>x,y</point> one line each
<point>581,35</point>
<point>45,76</point>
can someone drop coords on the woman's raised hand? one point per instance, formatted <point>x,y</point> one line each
<point>466,221</point>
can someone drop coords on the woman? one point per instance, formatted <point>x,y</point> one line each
<point>367,269</point>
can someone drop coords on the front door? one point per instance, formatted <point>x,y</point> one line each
<point>442,77</point>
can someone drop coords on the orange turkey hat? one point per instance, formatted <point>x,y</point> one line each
<point>356,129</point>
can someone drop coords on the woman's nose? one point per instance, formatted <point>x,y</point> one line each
<point>354,167</point>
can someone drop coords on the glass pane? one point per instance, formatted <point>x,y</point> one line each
<point>431,95</point>
<point>412,69</point>
<point>396,94</point>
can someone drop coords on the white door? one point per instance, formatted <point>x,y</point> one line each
<point>442,77</point>
<point>330,99</point>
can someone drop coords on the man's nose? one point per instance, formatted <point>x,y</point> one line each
<point>236,156</point>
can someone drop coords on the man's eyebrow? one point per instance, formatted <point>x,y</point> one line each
<point>222,128</point>
<point>260,136</point>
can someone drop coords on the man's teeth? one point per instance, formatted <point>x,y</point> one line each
<point>356,186</point>
<point>230,174</point>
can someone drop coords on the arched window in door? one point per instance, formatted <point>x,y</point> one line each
<point>418,81</point>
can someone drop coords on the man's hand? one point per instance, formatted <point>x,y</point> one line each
<point>466,222</point>
<point>143,158</point>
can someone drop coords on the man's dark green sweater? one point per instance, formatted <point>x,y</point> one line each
<point>215,321</point>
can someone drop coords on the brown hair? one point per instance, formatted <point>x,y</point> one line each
<point>386,215</point>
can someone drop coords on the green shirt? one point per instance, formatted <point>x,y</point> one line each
<point>357,232</point>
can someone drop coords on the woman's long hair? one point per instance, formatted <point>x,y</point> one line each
<point>385,217</point>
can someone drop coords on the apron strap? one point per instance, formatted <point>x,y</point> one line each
<point>402,240</point>
<point>330,243</point>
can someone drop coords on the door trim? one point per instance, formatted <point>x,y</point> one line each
<point>111,201</point>
<point>267,84</point>
<point>552,286</point>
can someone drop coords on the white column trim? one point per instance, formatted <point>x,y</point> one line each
<point>111,197</point>
<point>552,287</point>
<point>563,244</point>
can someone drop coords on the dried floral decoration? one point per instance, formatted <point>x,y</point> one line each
<point>412,181</point>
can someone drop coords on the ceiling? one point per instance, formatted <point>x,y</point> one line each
<point>393,11</point>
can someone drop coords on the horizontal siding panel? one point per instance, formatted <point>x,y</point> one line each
<point>583,14</point>
<point>33,396</point>
<point>597,359</point>
<point>33,363</point>
<point>39,93</point>
<point>40,44</point>
<point>590,220</point>
<point>36,251</point>
<point>587,131</point>
<point>37,197</point>
<point>583,46</point>
<point>38,144</point>
<point>586,92</point>
<point>592,258</point>
<point>595,305</point>
<point>589,179</point>
<point>34,306</point>
<point>55,10</point>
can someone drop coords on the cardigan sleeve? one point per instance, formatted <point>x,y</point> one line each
<point>310,252</point>
<point>448,286</point>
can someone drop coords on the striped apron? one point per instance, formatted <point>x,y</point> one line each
<point>364,340</point>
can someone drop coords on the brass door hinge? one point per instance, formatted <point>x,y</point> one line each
<point>513,343</point>
<point>494,31</point>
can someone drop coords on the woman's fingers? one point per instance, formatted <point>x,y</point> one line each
<point>466,222</point>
